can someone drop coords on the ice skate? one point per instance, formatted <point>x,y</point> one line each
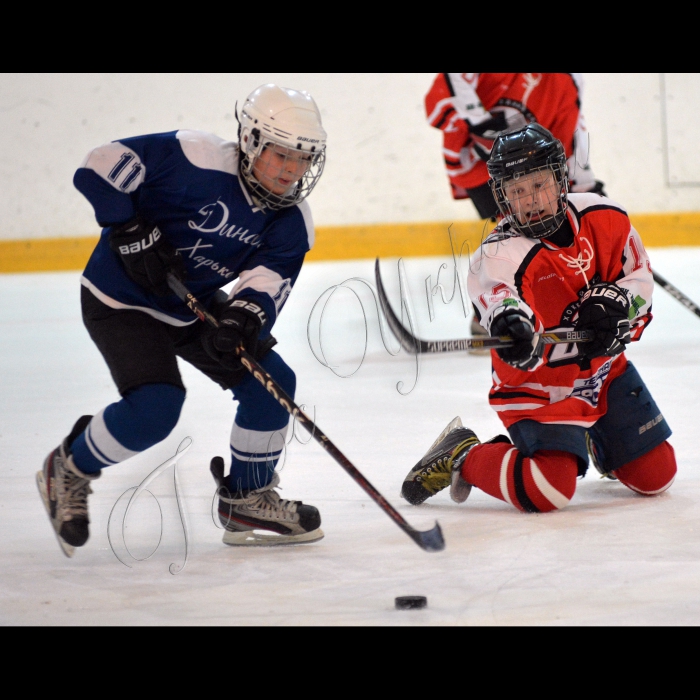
<point>597,459</point>
<point>260,517</point>
<point>434,472</point>
<point>64,490</point>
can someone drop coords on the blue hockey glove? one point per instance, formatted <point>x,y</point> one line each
<point>527,350</point>
<point>240,323</point>
<point>146,255</point>
<point>604,312</point>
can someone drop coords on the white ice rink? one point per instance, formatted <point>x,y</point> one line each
<point>610,558</point>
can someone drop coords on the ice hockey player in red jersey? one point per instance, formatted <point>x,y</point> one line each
<point>557,261</point>
<point>471,109</point>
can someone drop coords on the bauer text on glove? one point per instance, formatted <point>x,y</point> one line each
<point>240,323</point>
<point>604,313</point>
<point>146,255</point>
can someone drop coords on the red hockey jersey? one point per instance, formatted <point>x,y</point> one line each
<point>547,282</point>
<point>457,102</point>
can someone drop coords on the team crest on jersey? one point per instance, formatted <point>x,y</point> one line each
<point>588,390</point>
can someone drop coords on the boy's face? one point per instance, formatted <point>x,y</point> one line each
<point>278,169</point>
<point>533,197</point>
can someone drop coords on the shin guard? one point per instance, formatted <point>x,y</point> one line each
<point>538,484</point>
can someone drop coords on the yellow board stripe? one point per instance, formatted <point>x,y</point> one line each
<point>351,242</point>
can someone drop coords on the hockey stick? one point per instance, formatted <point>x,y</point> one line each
<point>676,293</point>
<point>430,540</point>
<point>414,345</point>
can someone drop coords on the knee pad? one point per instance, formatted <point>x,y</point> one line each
<point>652,473</point>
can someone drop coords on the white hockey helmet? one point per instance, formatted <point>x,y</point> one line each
<point>289,121</point>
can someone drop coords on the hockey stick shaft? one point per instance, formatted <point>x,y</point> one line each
<point>430,540</point>
<point>676,293</point>
<point>412,344</point>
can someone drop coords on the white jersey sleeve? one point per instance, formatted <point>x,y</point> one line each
<point>491,280</point>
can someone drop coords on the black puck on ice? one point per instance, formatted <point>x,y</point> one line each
<point>411,602</point>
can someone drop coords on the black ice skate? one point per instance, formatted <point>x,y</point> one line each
<point>260,517</point>
<point>434,472</point>
<point>64,490</point>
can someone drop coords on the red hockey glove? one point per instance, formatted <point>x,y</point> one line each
<point>527,351</point>
<point>604,312</point>
<point>146,255</point>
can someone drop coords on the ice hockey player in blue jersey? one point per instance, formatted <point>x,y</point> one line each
<point>212,212</point>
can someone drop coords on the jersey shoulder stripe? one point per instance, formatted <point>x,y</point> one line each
<point>208,151</point>
<point>585,202</point>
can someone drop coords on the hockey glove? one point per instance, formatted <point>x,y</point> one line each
<point>484,134</point>
<point>604,312</point>
<point>527,351</point>
<point>240,323</point>
<point>146,255</point>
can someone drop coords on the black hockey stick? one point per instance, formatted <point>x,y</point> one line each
<point>411,344</point>
<point>430,540</point>
<point>676,293</point>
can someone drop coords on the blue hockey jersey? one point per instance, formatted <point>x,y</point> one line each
<point>187,183</point>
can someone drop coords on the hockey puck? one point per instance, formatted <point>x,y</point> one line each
<point>411,602</point>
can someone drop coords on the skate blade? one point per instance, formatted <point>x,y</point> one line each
<point>66,548</point>
<point>264,538</point>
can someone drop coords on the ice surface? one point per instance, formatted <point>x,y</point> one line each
<point>610,558</point>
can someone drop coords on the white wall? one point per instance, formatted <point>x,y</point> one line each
<point>384,161</point>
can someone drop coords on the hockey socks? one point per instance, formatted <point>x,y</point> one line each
<point>650,474</point>
<point>259,431</point>
<point>144,417</point>
<point>537,484</point>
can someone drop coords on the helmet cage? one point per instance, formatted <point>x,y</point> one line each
<point>556,200</point>
<point>519,152</point>
<point>299,191</point>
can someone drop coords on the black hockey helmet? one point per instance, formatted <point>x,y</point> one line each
<point>522,151</point>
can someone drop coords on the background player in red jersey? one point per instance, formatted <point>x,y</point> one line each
<point>471,109</point>
<point>557,261</point>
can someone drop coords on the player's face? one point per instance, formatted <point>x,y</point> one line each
<point>277,168</point>
<point>533,197</point>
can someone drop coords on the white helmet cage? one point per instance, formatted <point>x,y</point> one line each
<point>289,122</point>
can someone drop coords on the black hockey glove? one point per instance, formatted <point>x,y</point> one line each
<point>240,323</point>
<point>528,349</point>
<point>604,312</point>
<point>484,134</point>
<point>146,255</point>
